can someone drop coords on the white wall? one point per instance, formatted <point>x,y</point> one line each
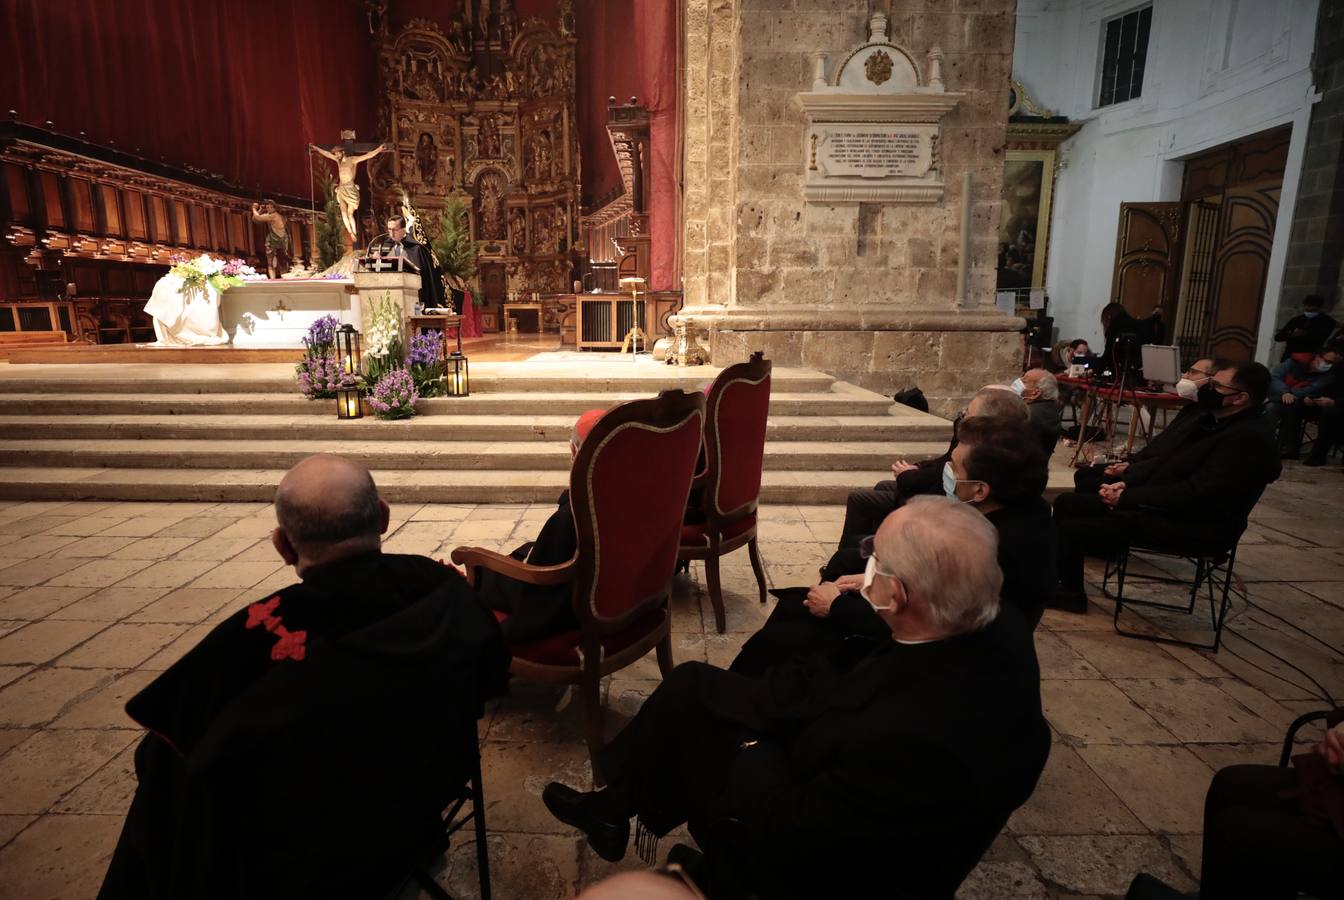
<point>1217,70</point>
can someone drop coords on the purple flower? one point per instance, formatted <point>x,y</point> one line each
<point>425,348</point>
<point>394,395</point>
<point>321,333</point>
<point>322,376</point>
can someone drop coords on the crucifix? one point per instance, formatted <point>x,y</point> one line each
<point>280,309</point>
<point>348,155</point>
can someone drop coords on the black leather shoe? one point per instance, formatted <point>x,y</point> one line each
<point>608,839</point>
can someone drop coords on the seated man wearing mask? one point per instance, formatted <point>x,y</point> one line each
<point>823,780</point>
<point>308,745</point>
<point>536,611</point>
<point>1040,391</point>
<point>1088,479</point>
<point>1194,497</point>
<point>865,510</point>
<point>998,469</point>
<point>1296,384</point>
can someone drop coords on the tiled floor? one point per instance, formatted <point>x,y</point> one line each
<point>96,598</point>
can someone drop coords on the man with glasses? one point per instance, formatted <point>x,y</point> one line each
<point>824,779</point>
<point>1193,494</point>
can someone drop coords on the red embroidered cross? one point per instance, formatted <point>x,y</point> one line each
<point>290,644</point>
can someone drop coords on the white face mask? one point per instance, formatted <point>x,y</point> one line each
<point>1019,386</point>
<point>869,574</point>
<point>1187,389</point>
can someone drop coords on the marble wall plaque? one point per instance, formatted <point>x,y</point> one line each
<point>874,150</point>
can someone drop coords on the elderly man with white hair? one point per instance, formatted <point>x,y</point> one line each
<point>897,764</point>
<point>1040,391</point>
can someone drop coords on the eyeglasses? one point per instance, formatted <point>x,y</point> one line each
<point>867,551</point>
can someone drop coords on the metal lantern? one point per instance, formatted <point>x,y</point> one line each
<point>455,374</point>
<point>348,350</point>
<point>348,403</point>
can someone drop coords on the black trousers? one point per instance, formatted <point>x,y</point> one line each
<point>1291,419</point>
<point>1330,432</point>
<point>1084,526</point>
<point>1256,844</point>
<point>865,510</point>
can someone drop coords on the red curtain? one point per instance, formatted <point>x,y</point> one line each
<point>625,49</point>
<point>238,89</point>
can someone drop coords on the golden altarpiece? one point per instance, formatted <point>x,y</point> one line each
<point>484,111</point>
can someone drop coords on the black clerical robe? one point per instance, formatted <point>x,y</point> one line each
<point>431,285</point>
<point>307,745</point>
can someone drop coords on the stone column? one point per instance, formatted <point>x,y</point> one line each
<point>1316,242</point>
<point>864,291</point>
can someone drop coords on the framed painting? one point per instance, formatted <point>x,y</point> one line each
<point>1024,219</point>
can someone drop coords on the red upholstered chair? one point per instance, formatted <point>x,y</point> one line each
<point>627,490</point>
<point>735,413</point>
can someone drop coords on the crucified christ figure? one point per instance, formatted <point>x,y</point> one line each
<point>347,192</point>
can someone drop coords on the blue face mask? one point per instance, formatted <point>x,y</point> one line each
<point>949,481</point>
<point>1018,386</point>
<point>1311,314</point>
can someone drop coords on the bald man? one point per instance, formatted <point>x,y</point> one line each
<point>308,744</point>
<point>823,778</point>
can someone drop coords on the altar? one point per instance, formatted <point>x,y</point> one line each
<point>276,313</point>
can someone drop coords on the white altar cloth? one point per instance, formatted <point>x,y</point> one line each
<point>277,313</point>
<point>185,320</point>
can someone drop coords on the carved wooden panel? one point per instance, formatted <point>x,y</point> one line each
<point>53,207</point>
<point>134,204</point>
<point>81,204</point>
<point>1146,256</point>
<point>16,187</point>
<point>110,202</point>
<point>1241,266</point>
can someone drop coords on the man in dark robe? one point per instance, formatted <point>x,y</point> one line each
<point>827,777</point>
<point>309,744</point>
<point>532,612</point>
<point>431,284</point>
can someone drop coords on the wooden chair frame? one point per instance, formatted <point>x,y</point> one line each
<point>670,410</point>
<point>718,521</point>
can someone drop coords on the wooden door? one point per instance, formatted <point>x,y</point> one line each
<point>1240,268</point>
<point>1147,257</point>
<point>494,290</point>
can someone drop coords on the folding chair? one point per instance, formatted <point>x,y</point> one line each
<point>1213,572</point>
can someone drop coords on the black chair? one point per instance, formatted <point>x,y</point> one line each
<point>455,818</point>
<point>1213,572</point>
<point>1332,718</point>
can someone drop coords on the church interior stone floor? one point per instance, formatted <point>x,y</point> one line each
<point>97,598</point>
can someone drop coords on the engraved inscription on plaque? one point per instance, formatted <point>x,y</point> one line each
<point>875,151</point>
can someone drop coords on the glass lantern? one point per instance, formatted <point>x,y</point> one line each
<point>348,350</point>
<point>458,383</point>
<point>349,403</point>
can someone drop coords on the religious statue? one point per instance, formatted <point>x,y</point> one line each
<point>490,197</point>
<point>457,37</point>
<point>518,231</point>
<point>427,158</point>
<point>277,237</point>
<point>347,192</point>
<point>487,138</point>
<point>541,157</point>
<point>450,169</point>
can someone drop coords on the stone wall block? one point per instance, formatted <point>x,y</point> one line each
<point>794,253</point>
<point>966,351</point>
<point>831,351</point>
<point>809,287</point>
<point>758,286</point>
<point>895,351</point>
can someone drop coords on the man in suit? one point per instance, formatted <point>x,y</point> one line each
<point>1307,331</point>
<point>1194,496</point>
<point>307,746</point>
<point>865,510</point>
<point>826,776</point>
<point>539,611</point>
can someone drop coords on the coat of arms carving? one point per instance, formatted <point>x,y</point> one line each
<point>878,67</point>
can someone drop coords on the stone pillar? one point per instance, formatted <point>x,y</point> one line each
<point>864,291</point>
<point>1316,242</point>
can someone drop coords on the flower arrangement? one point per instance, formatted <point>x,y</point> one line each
<point>383,348</point>
<point>321,336</point>
<point>394,395</point>
<point>425,363</point>
<point>218,274</point>
<point>321,376</point>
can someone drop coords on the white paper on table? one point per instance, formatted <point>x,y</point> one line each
<point>1006,301</point>
<point>1036,299</point>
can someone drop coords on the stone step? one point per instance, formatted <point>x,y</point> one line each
<point>271,378</point>
<point>807,456</point>
<point>836,403</point>
<point>911,426</point>
<point>396,486</point>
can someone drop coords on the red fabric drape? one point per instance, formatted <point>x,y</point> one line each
<point>236,88</point>
<point>625,49</point>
